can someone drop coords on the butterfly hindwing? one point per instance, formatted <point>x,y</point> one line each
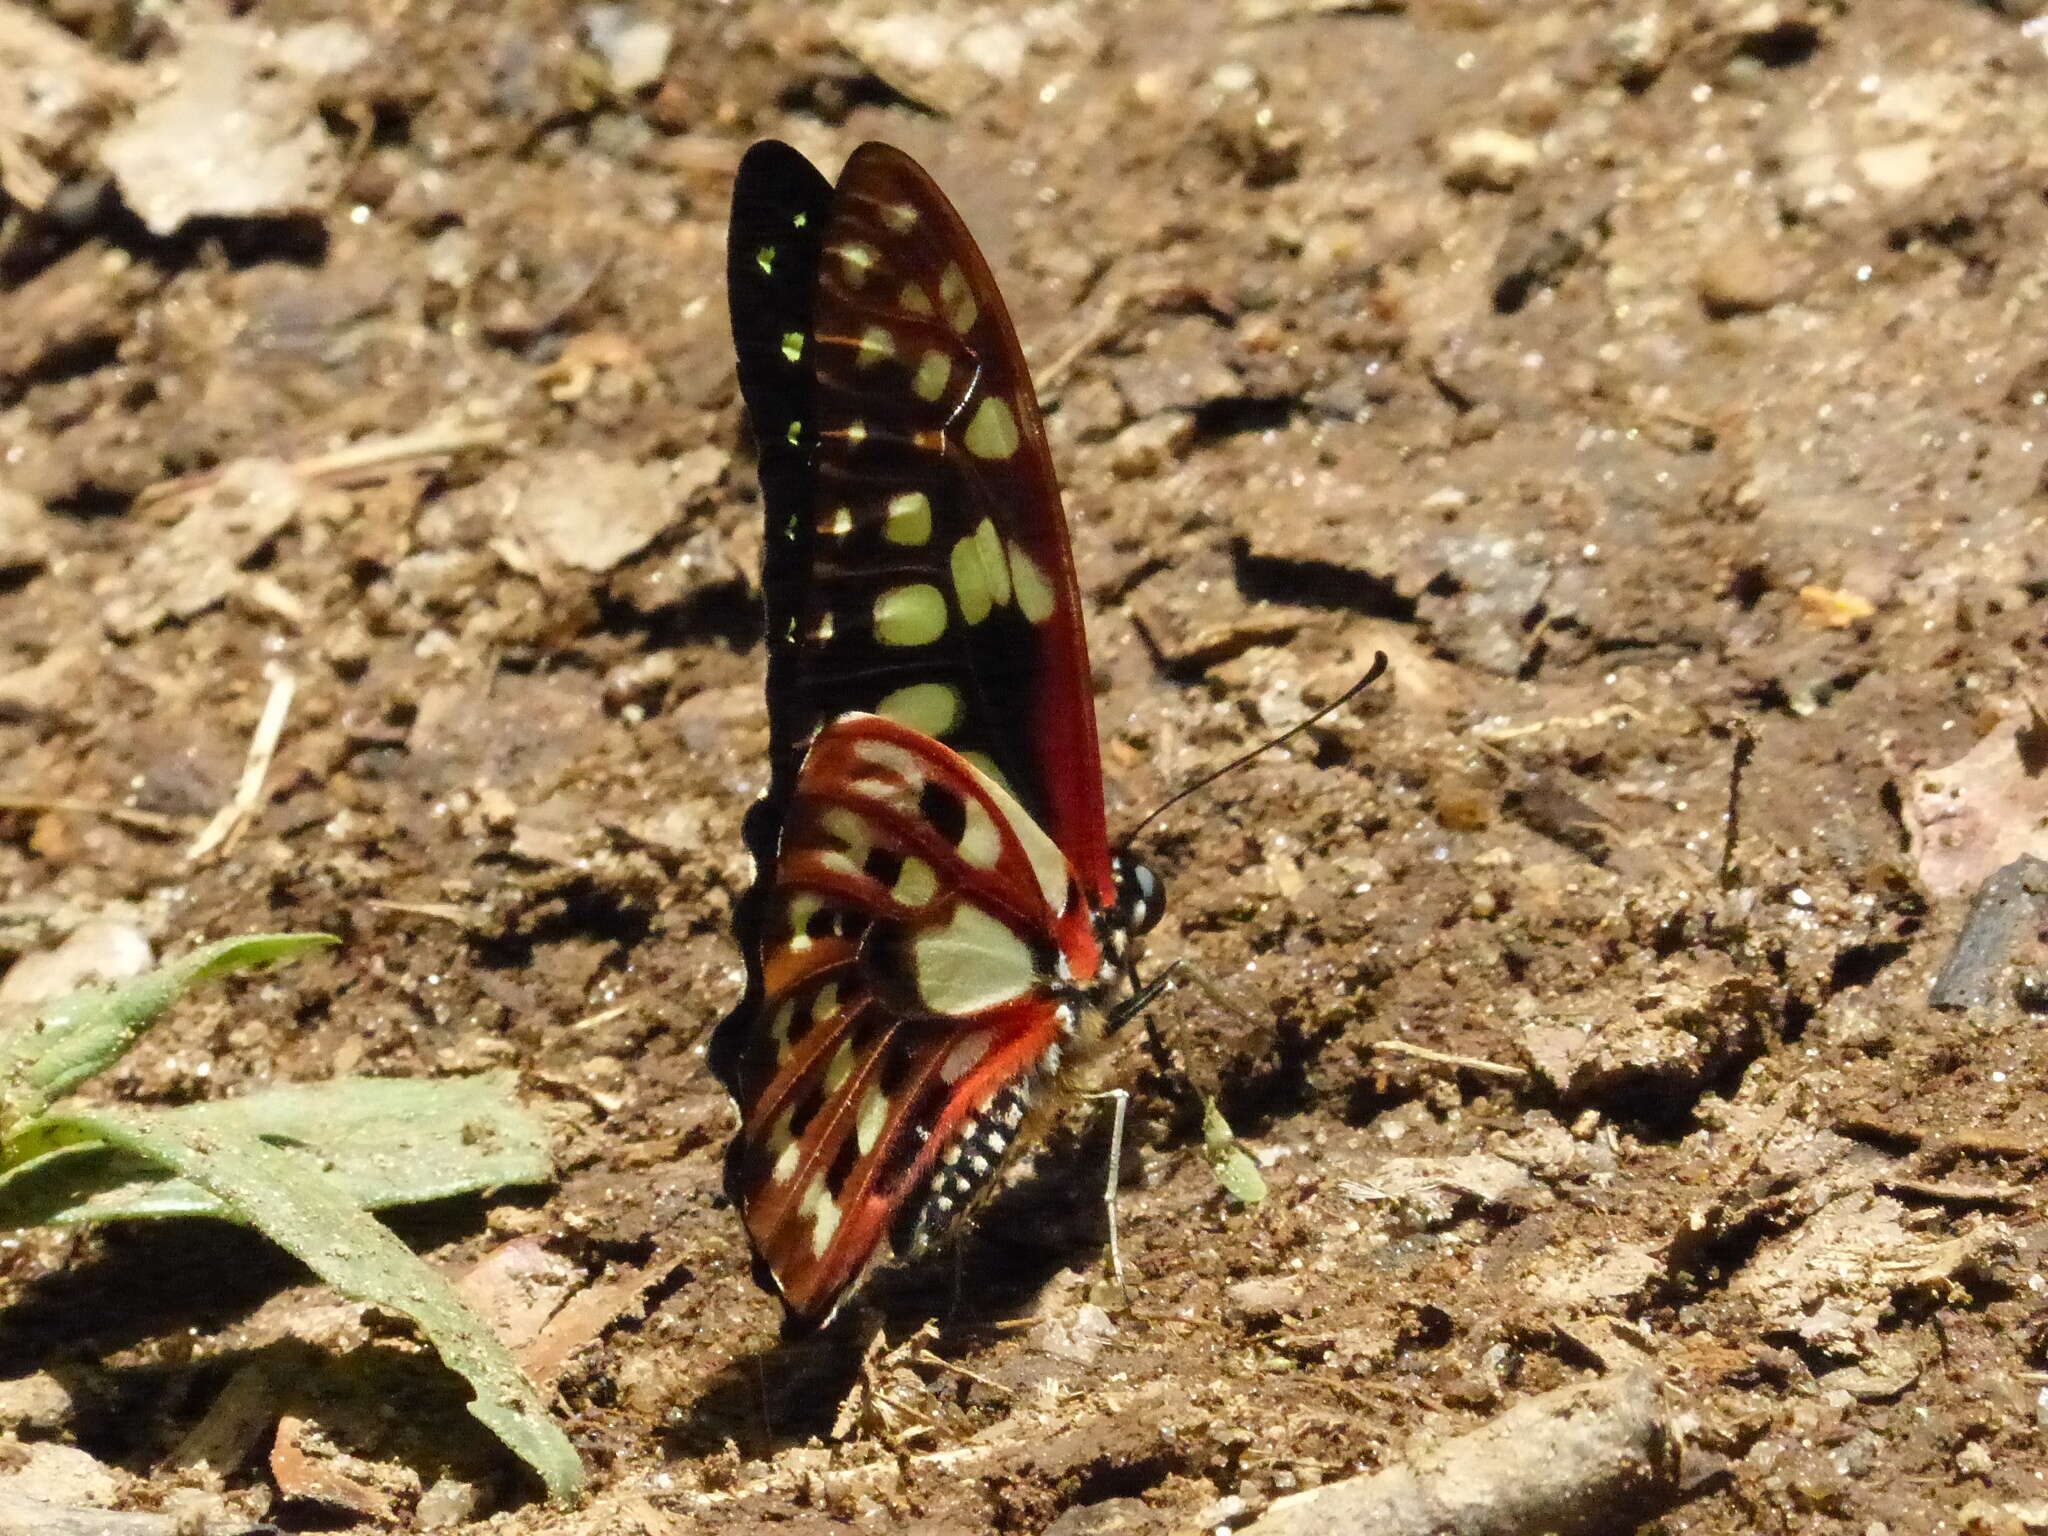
<point>920,940</point>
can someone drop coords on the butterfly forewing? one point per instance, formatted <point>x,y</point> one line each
<point>919,566</point>
<point>931,850</point>
<point>779,209</point>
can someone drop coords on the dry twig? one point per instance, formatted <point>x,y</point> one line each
<point>146,821</point>
<point>1573,1460</point>
<point>232,818</point>
<point>1479,1064</point>
<point>359,463</point>
<point>1940,1143</point>
<point>1101,323</point>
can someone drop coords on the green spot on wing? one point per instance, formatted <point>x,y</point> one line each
<point>793,345</point>
<point>764,258</point>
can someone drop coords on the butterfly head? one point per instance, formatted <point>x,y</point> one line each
<point>1139,903</point>
<point>1140,895</point>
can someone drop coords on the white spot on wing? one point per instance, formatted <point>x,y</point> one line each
<point>875,344</point>
<point>802,908</point>
<point>874,1115</point>
<point>840,1068</point>
<point>892,759</point>
<point>910,519</point>
<point>851,832</point>
<point>855,262</point>
<point>912,614</point>
<point>959,1062</point>
<point>824,1214</point>
<point>1047,862</point>
<point>934,372</point>
<point>992,434</point>
<point>1034,592</point>
<point>995,569</point>
<point>974,962</point>
<point>961,310</point>
<point>916,883</point>
<point>980,844</point>
<point>929,708</point>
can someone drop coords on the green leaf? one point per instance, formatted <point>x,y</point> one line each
<point>284,1194</point>
<point>50,1048</point>
<point>384,1140</point>
<point>1235,1168</point>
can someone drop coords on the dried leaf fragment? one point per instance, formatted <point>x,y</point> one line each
<point>230,136</point>
<point>1828,608</point>
<point>1985,809</point>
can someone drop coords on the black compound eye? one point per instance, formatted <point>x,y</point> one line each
<point>1140,896</point>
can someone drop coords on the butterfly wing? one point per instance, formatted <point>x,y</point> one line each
<point>932,842</point>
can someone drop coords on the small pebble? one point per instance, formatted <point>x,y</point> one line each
<point>1146,447</point>
<point>25,542</point>
<point>634,49</point>
<point>61,1475</point>
<point>1638,49</point>
<point>1488,159</point>
<point>324,48</point>
<point>39,1402</point>
<point>1743,277</point>
<point>1898,168</point>
<point>448,1503</point>
<point>1261,1301</point>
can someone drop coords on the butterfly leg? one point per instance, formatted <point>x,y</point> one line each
<point>1212,989</point>
<point>1122,1099</point>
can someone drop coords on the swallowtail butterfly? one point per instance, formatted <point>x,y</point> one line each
<point>939,934</point>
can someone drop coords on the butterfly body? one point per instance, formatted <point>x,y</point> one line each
<point>939,934</point>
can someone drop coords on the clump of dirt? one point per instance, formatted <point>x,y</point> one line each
<point>1657,386</point>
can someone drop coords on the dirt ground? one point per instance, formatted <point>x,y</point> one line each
<point>1664,388</point>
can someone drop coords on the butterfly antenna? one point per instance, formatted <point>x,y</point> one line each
<point>1372,675</point>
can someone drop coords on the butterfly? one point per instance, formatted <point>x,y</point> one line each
<point>939,937</point>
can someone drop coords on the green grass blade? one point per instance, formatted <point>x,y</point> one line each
<point>385,1141</point>
<point>1235,1168</point>
<point>50,1048</point>
<point>284,1194</point>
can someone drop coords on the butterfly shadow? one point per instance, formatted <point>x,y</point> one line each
<point>1046,1219</point>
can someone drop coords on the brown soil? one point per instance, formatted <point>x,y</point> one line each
<point>1654,384</point>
